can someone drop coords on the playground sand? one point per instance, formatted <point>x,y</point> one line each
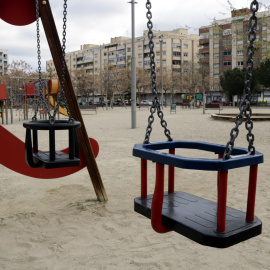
<point>58,224</point>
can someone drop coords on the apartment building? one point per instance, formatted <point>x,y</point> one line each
<point>3,62</point>
<point>224,45</point>
<point>176,49</point>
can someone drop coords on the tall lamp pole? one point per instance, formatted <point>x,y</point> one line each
<point>161,60</point>
<point>133,67</point>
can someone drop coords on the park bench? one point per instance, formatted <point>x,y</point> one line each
<point>173,108</point>
<point>213,106</point>
<point>144,106</point>
<point>185,105</point>
<point>89,107</point>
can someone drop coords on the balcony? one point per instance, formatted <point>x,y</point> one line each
<point>204,41</point>
<point>204,50</point>
<point>204,60</point>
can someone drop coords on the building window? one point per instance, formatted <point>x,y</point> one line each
<point>204,36</point>
<point>176,62</point>
<point>185,46</point>
<point>140,64</point>
<point>240,63</point>
<point>216,46</point>
<point>176,45</point>
<point>110,54</point>
<point>227,53</point>
<point>216,65</point>
<point>163,53</point>
<point>185,63</point>
<point>185,54</point>
<point>139,47</point>
<point>146,47</point>
<point>227,63</point>
<point>239,42</point>
<point>177,54</point>
<point>264,28</point>
<point>128,49</point>
<point>185,71</point>
<point>216,55</point>
<point>227,32</point>
<point>105,54</point>
<point>140,56</point>
<point>240,52</point>
<point>216,75</point>
<point>227,42</point>
<point>158,54</point>
<point>164,62</point>
<point>216,35</point>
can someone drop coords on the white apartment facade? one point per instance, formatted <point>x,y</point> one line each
<point>3,62</point>
<point>179,49</point>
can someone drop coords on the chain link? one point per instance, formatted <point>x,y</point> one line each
<point>155,104</point>
<point>40,100</point>
<point>245,109</point>
<point>62,96</point>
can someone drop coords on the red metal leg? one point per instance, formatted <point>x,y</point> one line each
<point>218,174</point>
<point>171,174</point>
<point>222,199</point>
<point>157,202</point>
<point>251,193</point>
<point>143,178</point>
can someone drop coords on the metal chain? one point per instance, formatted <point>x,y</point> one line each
<point>62,97</point>
<point>40,100</point>
<point>155,105</point>
<point>245,109</point>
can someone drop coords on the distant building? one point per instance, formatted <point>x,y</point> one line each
<point>179,49</point>
<point>3,62</point>
<point>224,46</point>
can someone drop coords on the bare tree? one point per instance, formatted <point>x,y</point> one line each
<point>191,79</point>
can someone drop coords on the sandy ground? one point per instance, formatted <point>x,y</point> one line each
<point>59,224</point>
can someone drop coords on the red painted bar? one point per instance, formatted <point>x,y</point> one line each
<point>171,174</point>
<point>222,199</point>
<point>251,192</point>
<point>218,174</point>
<point>143,178</point>
<point>157,201</point>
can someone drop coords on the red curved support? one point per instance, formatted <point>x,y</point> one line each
<point>18,12</point>
<point>157,201</point>
<point>13,157</point>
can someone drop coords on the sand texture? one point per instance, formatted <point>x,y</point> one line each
<point>59,224</point>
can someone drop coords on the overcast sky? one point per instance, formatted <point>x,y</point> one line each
<point>96,21</point>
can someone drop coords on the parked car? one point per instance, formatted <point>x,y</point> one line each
<point>148,102</point>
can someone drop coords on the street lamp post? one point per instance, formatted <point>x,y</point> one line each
<point>161,42</point>
<point>133,67</point>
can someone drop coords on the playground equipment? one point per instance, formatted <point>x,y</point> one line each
<point>231,117</point>
<point>10,144</point>
<point>53,91</point>
<point>206,222</point>
<point>3,102</point>
<point>24,12</point>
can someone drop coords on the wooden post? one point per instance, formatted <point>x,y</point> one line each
<point>11,105</point>
<point>56,51</point>
<point>2,111</point>
<point>6,109</point>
